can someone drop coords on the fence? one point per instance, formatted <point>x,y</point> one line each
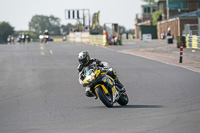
<point>191,29</point>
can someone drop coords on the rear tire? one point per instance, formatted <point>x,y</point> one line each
<point>106,99</point>
<point>123,100</point>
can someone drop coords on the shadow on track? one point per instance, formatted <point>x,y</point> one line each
<point>131,106</point>
<point>139,106</point>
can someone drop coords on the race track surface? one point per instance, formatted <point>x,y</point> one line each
<point>40,93</point>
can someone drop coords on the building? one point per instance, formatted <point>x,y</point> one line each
<point>147,11</point>
<point>146,18</point>
<point>175,15</point>
<point>176,7</point>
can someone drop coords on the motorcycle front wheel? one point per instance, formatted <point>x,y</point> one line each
<point>105,98</point>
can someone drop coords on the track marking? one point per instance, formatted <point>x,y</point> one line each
<point>51,52</point>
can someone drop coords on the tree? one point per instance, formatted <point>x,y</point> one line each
<point>5,30</point>
<point>41,23</point>
<point>65,29</point>
<point>157,16</point>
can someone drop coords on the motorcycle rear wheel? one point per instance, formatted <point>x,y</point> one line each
<point>123,99</point>
<point>106,99</point>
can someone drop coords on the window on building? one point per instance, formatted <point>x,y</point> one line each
<point>184,5</point>
<point>147,10</point>
<point>160,7</point>
<point>199,4</point>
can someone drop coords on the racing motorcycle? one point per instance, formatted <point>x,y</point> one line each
<point>103,87</point>
<point>46,37</point>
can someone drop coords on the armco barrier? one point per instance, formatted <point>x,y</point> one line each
<point>192,41</point>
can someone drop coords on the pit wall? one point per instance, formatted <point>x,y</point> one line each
<point>98,40</point>
<point>78,37</point>
<point>57,39</point>
<point>192,41</point>
<point>85,37</point>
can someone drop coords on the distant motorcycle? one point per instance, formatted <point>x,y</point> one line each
<point>41,38</point>
<point>103,87</point>
<point>45,38</point>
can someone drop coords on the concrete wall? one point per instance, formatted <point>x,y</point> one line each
<point>99,40</point>
<point>176,25</point>
<point>85,37</point>
<point>78,37</point>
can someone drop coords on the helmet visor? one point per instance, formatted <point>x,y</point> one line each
<point>83,61</point>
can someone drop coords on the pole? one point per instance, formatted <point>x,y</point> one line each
<point>181,53</point>
<point>199,26</point>
<point>167,3</point>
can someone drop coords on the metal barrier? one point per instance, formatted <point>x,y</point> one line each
<point>190,29</point>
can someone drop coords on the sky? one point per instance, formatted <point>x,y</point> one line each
<point>19,12</point>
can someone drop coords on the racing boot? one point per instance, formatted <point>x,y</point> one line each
<point>120,87</point>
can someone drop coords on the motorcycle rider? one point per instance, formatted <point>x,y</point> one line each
<point>46,32</point>
<point>46,36</point>
<point>85,60</point>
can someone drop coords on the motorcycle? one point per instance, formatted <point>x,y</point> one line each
<point>41,37</point>
<point>103,87</point>
<point>46,37</point>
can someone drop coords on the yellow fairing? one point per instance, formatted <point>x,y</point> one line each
<point>97,72</point>
<point>103,73</point>
<point>114,90</point>
<point>103,87</point>
<point>110,82</point>
<point>85,81</point>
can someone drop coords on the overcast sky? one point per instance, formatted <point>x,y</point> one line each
<point>19,12</point>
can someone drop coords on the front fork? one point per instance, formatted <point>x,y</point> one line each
<point>115,93</point>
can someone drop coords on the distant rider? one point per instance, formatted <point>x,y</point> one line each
<point>85,60</point>
<point>46,32</point>
<point>46,36</point>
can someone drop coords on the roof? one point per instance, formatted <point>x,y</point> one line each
<point>149,5</point>
<point>189,14</point>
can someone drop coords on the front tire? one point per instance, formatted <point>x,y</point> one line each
<point>123,99</point>
<point>105,98</point>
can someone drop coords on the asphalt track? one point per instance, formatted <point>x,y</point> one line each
<point>40,93</point>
